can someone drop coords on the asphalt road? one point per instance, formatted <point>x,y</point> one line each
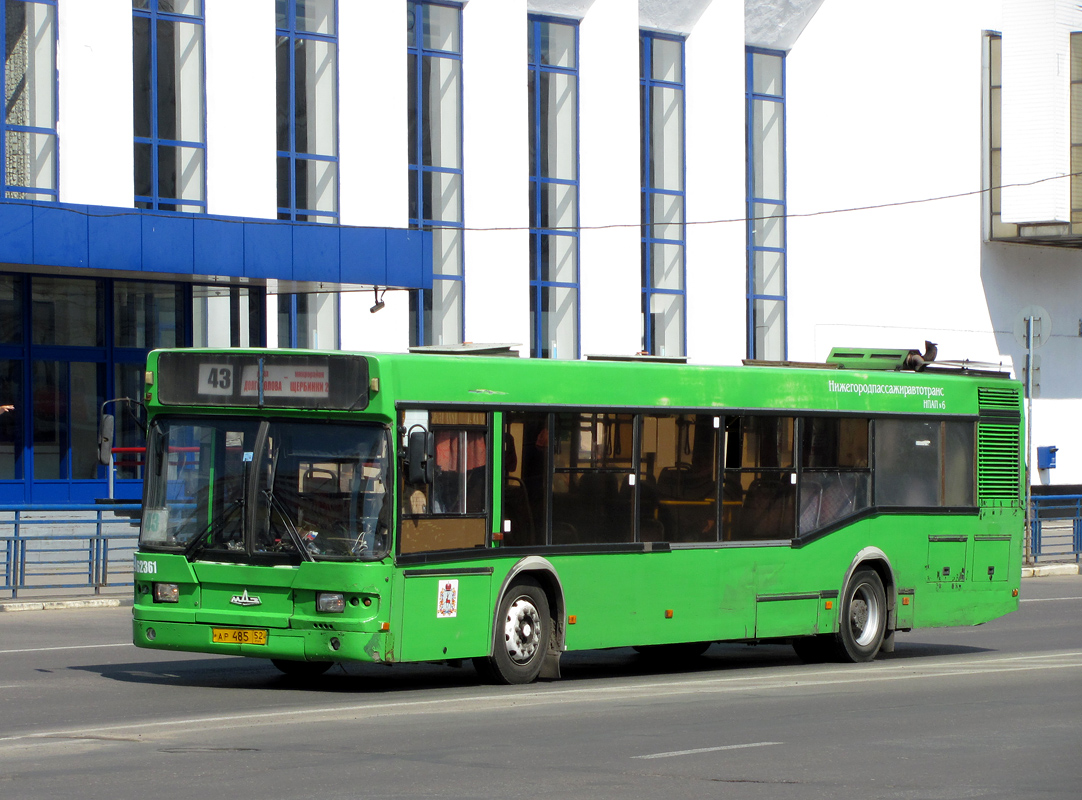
<point>988,712</point>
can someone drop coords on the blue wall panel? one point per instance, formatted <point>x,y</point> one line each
<point>219,247</point>
<point>17,234</point>
<point>317,254</point>
<point>60,236</point>
<point>168,244</point>
<point>114,241</point>
<point>106,238</point>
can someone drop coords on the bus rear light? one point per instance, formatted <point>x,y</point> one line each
<point>166,593</point>
<point>330,602</point>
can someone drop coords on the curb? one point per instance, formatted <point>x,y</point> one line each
<point>1049,569</point>
<point>57,605</point>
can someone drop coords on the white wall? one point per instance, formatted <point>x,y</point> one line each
<point>496,172</point>
<point>609,185</point>
<point>870,125</point>
<point>373,114</point>
<point>241,123</point>
<point>716,252</point>
<point>94,123</point>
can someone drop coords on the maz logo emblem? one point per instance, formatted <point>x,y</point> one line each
<point>244,600</point>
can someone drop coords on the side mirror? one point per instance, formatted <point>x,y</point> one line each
<point>105,439</point>
<point>420,452</point>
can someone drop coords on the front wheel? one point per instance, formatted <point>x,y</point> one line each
<point>863,622</point>
<point>521,638</point>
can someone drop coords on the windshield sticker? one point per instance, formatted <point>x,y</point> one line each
<point>155,525</point>
<point>447,599</point>
<point>929,393</point>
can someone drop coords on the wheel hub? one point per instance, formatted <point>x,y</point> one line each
<point>522,631</point>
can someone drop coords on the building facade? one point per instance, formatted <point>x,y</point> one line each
<point>700,179</point>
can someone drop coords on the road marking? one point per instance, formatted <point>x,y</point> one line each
<point>1046,599</point>
<point>799,679</point>
<point>708,750</point>
<point>68,647</point>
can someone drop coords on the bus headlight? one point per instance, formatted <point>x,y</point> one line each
<point>330,602</point>
<point>166,593</point>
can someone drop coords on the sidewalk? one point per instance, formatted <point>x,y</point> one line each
<point>115,597</point>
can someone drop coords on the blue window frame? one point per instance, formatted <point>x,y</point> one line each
<point>434,53</point>
<point>766,230</point>
<point>168,100</point>
<point>663,195</point>
<point>28,136</point>
<point>554,187</point>
<point>306,47</point>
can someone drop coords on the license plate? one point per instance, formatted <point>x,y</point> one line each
<point>238,636</point>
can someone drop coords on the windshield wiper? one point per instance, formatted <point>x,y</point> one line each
<point>287,521</point>
<point>206,536</point>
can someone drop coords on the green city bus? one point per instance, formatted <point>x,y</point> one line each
<point>315,507</point>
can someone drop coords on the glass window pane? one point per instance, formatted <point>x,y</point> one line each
<point>769,273</point>
<point>11,423</point>
<point>768,226</point>
<point>559,138</point>
<point>145,315</point>
<point>49,390</point>
<point>85,401</point>
<point>667,138</point>
<point>829,497</point>
<point>766,74</point>
<point>189,7</point>
<point>667,266</point>
<point>11,313</point>
<point>525,470</point>
<point>446,251</point>
<point>907,463</point>
<point>668,216</point>
<point>142,73</point>
<point>768,149</point>
<point>557,44</point>
<point>442,197</point>
<point>769,322</point>
<point>30,65</point>
<point>446,311</point>
<point>558,206</point>
<point>67,311</point>
<point>667,60</point>
<point>678,494</point>
<point>316,185</point>
<point>316,16</point>
<point>667,324</point>
<point>281,50</point>
<point>180,81</point>
<point>440,28</point>
<point>180,173</point>
<point>441,145</point>
<point>129,382</point>
<point>559,322</point>
<point>828,443</point>
<point>316,109</point>
<point>31,160</point>
<point>959,464</point>
<point>558,259</point>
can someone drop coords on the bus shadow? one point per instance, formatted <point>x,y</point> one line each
<point>257,674</point>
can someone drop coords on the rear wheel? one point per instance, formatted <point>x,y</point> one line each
<point>863,622</point>
<point>302,669</point>
<point>521,637</point>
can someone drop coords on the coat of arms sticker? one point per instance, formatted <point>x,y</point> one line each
<point>447,599</point>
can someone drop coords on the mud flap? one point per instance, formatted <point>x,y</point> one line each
<point>888,643</point>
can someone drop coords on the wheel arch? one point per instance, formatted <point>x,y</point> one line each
<point>875,559</point>
<point>542,571</point>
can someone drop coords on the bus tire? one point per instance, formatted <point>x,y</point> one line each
<point>521,636</point>
<point>863,617</point>
<point>302,669</point>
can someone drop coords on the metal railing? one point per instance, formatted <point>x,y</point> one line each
<point>1056,528</point>
<point>67,546</point>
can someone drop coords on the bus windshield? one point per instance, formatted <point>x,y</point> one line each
<point>265,489</point>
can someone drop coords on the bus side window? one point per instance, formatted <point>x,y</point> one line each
<point>525,472</point>
<point>759,486</point>
<point>451,512</point>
